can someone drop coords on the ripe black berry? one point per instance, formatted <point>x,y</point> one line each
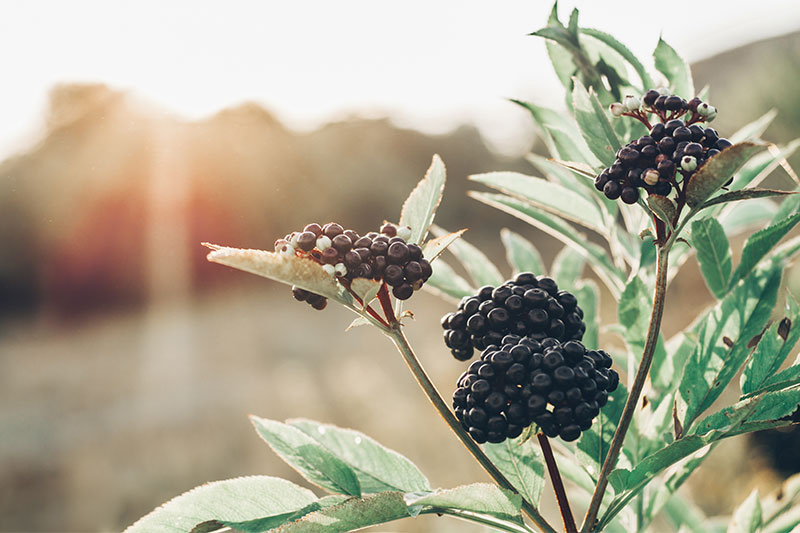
<point>527,306</point>
<point>558,386</point>
<point>680,132</point>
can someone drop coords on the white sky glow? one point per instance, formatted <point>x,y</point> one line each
<point>427,64</point>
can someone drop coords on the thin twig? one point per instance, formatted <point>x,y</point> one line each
<point>558,485</point>
<point>399,339</point>
<point>386,304</point>
<point>636,388</point>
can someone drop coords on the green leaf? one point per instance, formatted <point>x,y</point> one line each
<point>597,257</point>
<point>521,463</point>
<point>675,69</point>
<point>760,243</point>
<point>311,460</point>
<point>713,254</point>
<point>594,124</point>
<point>352,514</point>
<point>766,407</point>
<point>567,267</point>
<point>558,173</point>
<point>587,294</point>
<point>622,50</point>
<point>739,316</point>
<point>755,129</point>
<point>435,247</point>
<point>445,282</point>
<point>233,500</point>
<point>483,498</point>
<point>270,522</point>
<point>743,194</point>
<point>663,207</point>
<point>774,347</point>
<point>788,377</point>
<point>378,468</point>
<point>521,255</point>
<point>762,165</point>
<point>595,442</point>
<point>560,134</point>
<point>633,311</point>
<point>747,215</point>
<point>716,171</point>
<point>478,266</point>
<point>302,272</point>
<point>420,206</point>
<point>549,196</point>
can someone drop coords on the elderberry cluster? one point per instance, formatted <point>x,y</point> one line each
<point>669,154</point>
<point>527,306</point>
<point>558,386</point>
<point>346,255</point>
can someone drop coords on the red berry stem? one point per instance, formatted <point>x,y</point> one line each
<point>386,304</point>
<point>558,485</point>
<point>368,308</point>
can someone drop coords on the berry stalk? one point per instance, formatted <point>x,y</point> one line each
<point>558,485</point>
<point>424,381</point>
<point>636,389</point>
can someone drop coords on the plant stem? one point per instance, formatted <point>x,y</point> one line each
<point>558,485</point>
<point>636,388</point>
<point>399,339</point>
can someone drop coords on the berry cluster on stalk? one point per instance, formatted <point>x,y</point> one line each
<point>527,306</point>
<point>668,156</point>
<point>559,386</point>
<point>346,255</point>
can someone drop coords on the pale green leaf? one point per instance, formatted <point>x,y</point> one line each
<point>233,500</point>
<point>594,124</point>
<point>760,243</point>
<point>378,468</point>
<point>567,267</point>
<point>521,463</point>
<point>716,171</point>
<point>446,282</point>
<point>521,254</point>
<point>435,247</point>
<point>743,194</point>
<point>622,50</point>
<point>351,514</point>
<point>546,195</point>
<point>754,129</point>
<point>560,134</point>
<point>675,69</point>
<point>420,206</point>
<point>588,294</point>
<point>663,207</point>
<point>739,316</point>
<point>311,460</point>
<point>713,254</point>
<point>478,266</point>
<point>597,257</point>
<point>483,498</point>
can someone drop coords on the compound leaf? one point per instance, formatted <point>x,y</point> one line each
<point>378,468</point>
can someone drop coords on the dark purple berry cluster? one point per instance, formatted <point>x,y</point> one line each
<point>559,386</point>
<point>668,155</point>
<point>527,306</point>
<point>346,255</point>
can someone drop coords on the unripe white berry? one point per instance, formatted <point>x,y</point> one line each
<point>287,250</point>
<point>712,114</point>
<point>688,163</point>
<point>704,109</point>
<point>293,239</point>
<point>663,91</point>
<point>617,109</point>
<point>323,242</point>
<point>651,177</point>
<point>631,102</point>
<point>404,232</point>
<point>340,269</point>
<point>330,269</point>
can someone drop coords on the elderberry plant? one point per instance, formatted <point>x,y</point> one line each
<point>625,444</point>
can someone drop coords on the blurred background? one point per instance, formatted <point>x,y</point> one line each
<point>131,132</point>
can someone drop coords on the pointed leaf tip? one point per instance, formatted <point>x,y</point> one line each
<point>716,171</point>
<point>419,208</point>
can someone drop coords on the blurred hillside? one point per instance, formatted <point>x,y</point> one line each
<point>117,192</point>
<point>128,363</point>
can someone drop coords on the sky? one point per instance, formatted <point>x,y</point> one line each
<point>429,65</point>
